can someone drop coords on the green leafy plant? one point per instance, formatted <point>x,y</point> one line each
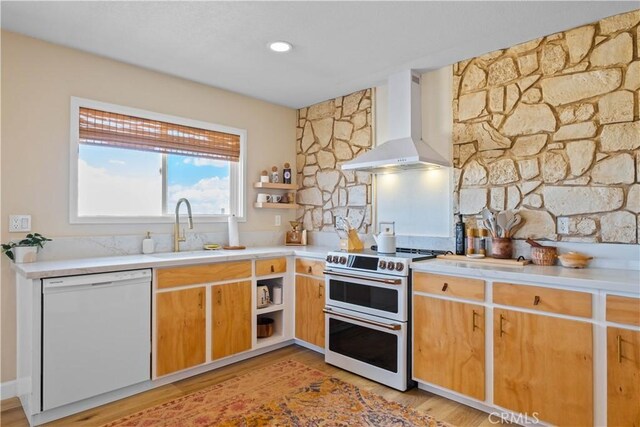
<point>35,239</point>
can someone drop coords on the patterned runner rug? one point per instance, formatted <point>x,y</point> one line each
<point>287,393</point>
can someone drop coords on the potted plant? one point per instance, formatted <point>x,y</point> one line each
<point>26,249</point>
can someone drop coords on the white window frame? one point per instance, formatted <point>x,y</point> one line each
<point>237,170</point>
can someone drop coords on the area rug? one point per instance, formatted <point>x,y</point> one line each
<point>287,393</point>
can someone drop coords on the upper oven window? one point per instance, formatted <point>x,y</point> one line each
<point>368,296</point>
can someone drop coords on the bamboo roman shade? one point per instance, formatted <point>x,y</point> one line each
<point>118,130</point>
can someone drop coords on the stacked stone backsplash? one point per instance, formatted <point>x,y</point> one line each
<point>550,128</point>
<point>329,134</point>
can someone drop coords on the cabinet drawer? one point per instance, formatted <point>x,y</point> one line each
<point>271,266</point>
<point>544,299</point>
<point>623,309</point>
<point>194,274</point>
<point>452,286</point>
<point>313,267</point>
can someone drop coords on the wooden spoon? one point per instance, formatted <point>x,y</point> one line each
<point>534,244</point>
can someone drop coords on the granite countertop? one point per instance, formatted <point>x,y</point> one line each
<point>589,278</point>
<point>69,267</point>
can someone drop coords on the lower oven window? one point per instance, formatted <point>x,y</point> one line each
<point>367,345</point>
<point>382,299</point>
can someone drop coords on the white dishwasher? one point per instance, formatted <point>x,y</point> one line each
<point>96,335</point>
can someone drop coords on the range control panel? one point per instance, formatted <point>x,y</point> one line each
<point>364,262</point>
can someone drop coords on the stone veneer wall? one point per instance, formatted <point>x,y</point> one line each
<point>550,128</point>
<point>328,134</point>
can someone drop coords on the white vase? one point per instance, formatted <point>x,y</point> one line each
<point>22,254</point>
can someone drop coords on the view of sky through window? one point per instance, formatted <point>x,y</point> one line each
<point>121,182</point>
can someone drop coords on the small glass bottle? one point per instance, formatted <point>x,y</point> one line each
<point>471,240</point>
<point>482,241</point>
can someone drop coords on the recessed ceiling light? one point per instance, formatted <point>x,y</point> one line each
<point>280,46</point>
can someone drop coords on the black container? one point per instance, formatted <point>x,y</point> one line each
<point>286,174</point>
<point>460,236</point>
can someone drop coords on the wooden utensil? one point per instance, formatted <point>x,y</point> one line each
<point>533,243</point>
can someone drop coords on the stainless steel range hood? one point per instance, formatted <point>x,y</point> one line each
<point>405,149</point>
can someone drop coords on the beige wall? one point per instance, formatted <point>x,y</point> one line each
<point>38,79</point>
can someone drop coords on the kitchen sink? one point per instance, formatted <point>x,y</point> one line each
<point>187,254</point>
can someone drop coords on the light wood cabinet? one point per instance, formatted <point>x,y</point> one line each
<point>449,345</point>
<point>313,267</point>
<point>623,377</point>
<point>180,330</point>
<point>544,365</point>
<point>551,300</point>
<point>271,266</point>
<point>231,319</point>
<point>451,286</point>
<point>623,310</point>
<point>207,273</point>
<point>309,306</point>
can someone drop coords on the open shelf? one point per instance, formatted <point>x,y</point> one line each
<point>276,205</point>
<point>278,328</point>
<point>270,309</point>
<point>275,186</point>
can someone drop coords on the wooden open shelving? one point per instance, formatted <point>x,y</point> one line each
<point>275,186</point>
<point>275,205</point>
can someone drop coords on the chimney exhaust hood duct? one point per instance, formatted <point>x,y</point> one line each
<point>405,149</point>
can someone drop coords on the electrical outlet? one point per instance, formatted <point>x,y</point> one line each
<point>563,225</point>
<point>278,221</point>
<point>19,223</point>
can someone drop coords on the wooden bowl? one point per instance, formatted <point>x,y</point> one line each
<point>544,255</point>
<point>574,260</point>
<point>265,326</point>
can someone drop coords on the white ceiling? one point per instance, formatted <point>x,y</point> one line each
<point>339,47</point>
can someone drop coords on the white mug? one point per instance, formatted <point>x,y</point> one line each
<point>275,198</point>
<point>264,197</point>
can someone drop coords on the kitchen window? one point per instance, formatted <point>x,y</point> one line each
<point>132,166</point>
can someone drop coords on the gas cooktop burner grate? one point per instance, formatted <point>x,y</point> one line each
<point>416,251</point>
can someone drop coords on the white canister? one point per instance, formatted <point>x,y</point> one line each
<point>277,295</point>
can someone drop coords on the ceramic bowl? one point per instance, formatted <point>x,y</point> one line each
<point>574,260</point>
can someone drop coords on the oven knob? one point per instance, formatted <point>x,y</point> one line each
<point>391,265</point>
<point>382,264</point>
<point>328,258</point>
<point>399,266</point>
<point>335,259</point>
<point>343,260</point>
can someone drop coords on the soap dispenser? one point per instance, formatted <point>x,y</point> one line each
<point>147,244</point>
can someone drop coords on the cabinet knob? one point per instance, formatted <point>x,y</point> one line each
<point>444,288</point>
<point>536,300</point>
<point>310,270</point>
<point>273,269</point>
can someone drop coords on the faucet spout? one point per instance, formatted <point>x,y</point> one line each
<point>176,227</point>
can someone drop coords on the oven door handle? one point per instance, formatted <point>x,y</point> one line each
<point>371,279</point>
<point>393,326</point>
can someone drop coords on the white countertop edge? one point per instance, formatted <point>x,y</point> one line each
<point>626,281</point>
<point>71,267</point>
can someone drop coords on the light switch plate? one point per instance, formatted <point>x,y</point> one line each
<point>19,223</point>
<point>278,220</point>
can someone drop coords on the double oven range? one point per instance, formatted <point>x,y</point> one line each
<point>368,314</point>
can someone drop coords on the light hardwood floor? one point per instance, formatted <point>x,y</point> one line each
<point>439,407</point>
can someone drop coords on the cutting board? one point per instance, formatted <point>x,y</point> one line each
<point>487,260</point>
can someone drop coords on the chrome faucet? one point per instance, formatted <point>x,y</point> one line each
<point>176,227</point>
